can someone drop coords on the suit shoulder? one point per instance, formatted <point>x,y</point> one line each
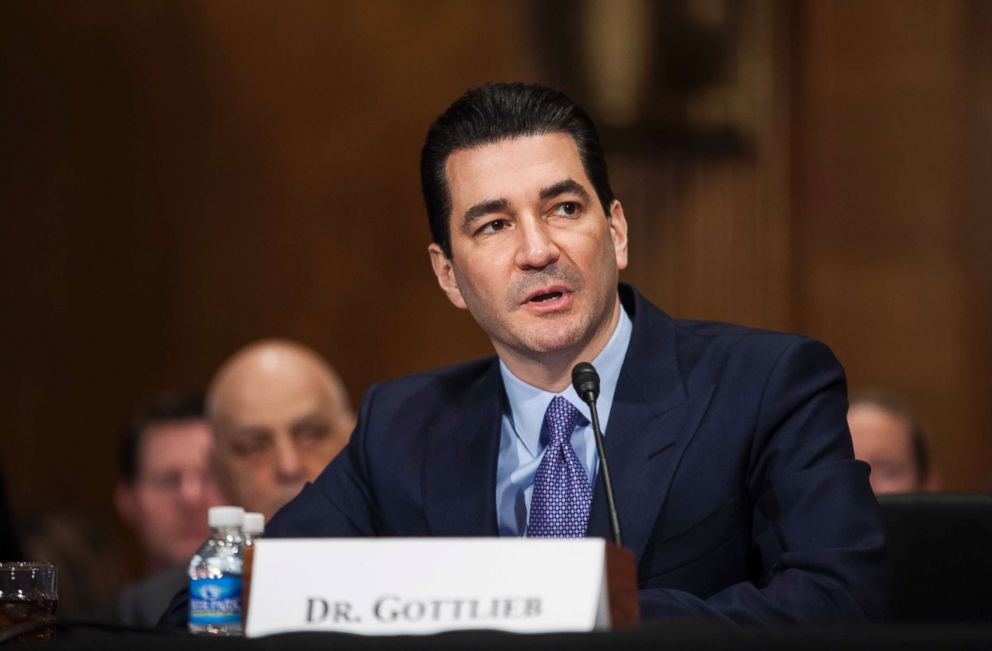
<point>408,407</point>
<point>449,380</point>
<point>716,330</point>
<point>762,348</point>
<point>699,337</point>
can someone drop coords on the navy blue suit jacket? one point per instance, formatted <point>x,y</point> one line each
<point>731,457</point>
<point>729,449</point>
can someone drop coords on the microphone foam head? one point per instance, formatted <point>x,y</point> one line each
<point>585,379</point>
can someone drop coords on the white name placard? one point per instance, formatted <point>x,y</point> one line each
<point>393,586</point>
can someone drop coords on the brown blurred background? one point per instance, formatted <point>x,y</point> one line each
<point>179,178</point>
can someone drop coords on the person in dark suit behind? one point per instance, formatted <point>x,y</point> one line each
<point>164,489</point>
<point>732,461</point>
<point>891,440</point>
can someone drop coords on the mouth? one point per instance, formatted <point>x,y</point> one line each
<point>546,296</point>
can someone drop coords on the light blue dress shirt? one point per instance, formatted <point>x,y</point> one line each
<point>520,447</point>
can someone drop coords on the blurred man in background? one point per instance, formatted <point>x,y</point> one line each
<point>280,414</point>
<point>163,492</point>
<point>891,440</point>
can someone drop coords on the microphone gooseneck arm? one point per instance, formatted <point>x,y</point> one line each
<point>585,380</point>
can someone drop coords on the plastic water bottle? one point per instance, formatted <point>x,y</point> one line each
<point>215,576</point>
<point>253,528</point>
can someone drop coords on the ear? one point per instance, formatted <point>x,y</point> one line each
<point>445,273</point>
<point>126,502</point>
<point>346,423</point>
<point>618,232</point>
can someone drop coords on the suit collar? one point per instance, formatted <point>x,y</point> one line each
<point>651,368</point>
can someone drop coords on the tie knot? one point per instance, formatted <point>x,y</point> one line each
<point>560,419</point>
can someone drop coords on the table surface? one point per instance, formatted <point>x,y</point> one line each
<point>655,635</point>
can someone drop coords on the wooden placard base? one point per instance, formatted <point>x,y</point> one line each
<point>621,580</point>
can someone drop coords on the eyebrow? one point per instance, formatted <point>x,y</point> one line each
<point>315,418</point>
<point>483,208</point>
<point>248,431</point>
<point>564,187</point>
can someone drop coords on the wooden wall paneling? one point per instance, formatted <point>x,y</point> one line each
<point>879,251</point>
<point>711,231</point>
<point>183,177</point>
<point>975,231</point>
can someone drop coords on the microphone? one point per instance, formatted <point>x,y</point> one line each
<point>585,380</point>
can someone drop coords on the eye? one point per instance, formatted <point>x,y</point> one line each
<point>166,483</point>
<point>250,446</point>
<point>493,226</point>
<point>311,432</point>
<point>568,209</point>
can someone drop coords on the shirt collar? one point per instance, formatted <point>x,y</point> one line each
<point>528,403</point>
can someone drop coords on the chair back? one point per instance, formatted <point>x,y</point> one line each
<point>940,545</point>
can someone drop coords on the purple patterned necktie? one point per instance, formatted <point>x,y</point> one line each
<point>559,506</point>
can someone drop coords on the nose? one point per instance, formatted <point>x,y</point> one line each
<point>536,247</point>
<point>192,487</point>
<point>288,466</point>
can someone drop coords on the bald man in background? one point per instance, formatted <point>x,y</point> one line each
<point>279,414</point>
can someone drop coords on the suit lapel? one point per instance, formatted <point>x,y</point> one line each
<point>652,421</point>
<point>460,465</point>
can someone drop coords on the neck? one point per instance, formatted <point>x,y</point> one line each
<point>552,371</point>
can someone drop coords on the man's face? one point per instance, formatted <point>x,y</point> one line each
<point>273,434</point>
<point>168,501</point>
<point>883,441</point>
<point>534,258</point>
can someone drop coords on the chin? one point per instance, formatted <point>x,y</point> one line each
<point>554,340</point>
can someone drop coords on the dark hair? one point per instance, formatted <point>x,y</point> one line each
<point>495,112</point>
<point>166,407</point>
<point>917,435</point>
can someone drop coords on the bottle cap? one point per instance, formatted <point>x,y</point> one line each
<point>225,516</point>
<point>254,524</point>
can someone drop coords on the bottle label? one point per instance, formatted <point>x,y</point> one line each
<point>215,601</point>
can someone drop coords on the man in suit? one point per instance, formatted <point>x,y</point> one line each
<point>734,474</point>
<point>164,490</point>
<point>732,462</point>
